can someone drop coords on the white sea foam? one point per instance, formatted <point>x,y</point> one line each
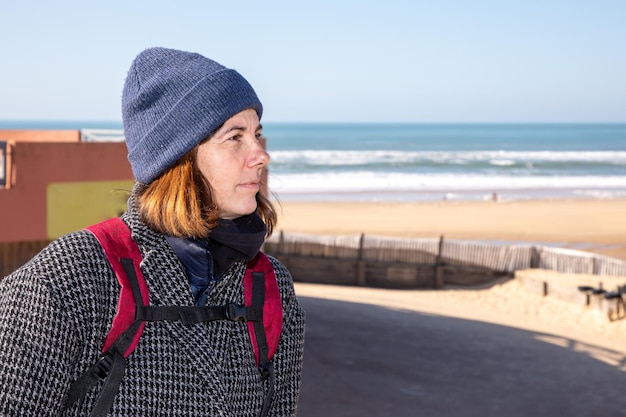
<point>502,162</point>
<point>361,157</point>
<point>365,181</point>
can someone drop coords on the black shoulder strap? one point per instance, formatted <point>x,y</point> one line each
<point>265,364</point>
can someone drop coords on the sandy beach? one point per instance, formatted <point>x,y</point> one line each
<point>592,225</point>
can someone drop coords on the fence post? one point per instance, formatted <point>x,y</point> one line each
<point>534,257</point>
<point>360,264</point>
<point>594,266</point>
<point>281,243</point>
<point>438,281</point>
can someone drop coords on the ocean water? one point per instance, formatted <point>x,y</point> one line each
<point>415,162</point>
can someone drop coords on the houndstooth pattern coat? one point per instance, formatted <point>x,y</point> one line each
<point>56,310</point>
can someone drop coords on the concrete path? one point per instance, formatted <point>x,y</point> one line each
<point>366,360</point>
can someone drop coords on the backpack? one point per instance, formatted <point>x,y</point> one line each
<point>262,310</point>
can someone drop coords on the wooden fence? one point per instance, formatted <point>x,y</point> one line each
<point>15,254</point>
<point>422,263</point>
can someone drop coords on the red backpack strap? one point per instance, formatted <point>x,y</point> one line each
<point>124,256</point>
<point>261,292</point>
<point>260,285</point>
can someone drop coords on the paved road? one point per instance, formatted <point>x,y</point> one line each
<point>364,360</point>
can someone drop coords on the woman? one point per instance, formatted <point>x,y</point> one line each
<point>192,131</point>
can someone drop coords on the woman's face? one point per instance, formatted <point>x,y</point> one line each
<point>232,161</point>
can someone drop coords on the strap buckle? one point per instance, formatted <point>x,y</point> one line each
<point>236,312</point>
<point>102,368</point>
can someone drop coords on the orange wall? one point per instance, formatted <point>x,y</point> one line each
<point>40,135</point>
<point>36,164</point>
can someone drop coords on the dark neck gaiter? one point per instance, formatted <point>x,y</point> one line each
<point>205,260</point>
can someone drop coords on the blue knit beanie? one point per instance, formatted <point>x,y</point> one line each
<point>173,100</point>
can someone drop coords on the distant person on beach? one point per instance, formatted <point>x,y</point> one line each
<point>193,134</point>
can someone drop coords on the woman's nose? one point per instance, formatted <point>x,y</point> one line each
<point>259,154</point>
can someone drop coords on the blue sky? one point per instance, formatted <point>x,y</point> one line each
<point>331,60</point>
